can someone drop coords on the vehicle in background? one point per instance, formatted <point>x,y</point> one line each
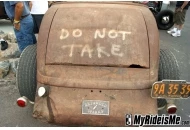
<point>161,12</point>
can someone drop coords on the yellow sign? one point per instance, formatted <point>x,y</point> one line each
<point>170,90</point>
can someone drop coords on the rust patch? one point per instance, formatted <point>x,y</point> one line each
<point>68,104</point>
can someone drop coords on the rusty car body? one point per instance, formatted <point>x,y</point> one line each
<point>96,62</point>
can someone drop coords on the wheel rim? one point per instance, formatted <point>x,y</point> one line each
<point>165,19</point>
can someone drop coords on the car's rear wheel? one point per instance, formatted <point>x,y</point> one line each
<point>26,73</point>
<point>168,69</point>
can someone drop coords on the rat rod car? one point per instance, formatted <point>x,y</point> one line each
<point>95,62</point>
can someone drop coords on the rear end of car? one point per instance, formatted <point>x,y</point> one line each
<point>96,63</point>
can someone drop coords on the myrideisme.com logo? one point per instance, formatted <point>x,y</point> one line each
<point>140,120</point>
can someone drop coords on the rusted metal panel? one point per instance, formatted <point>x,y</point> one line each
<point>43,38</point>
<point>66,106</point>
<point>100,4</point>
<point>154,46</point>
<point>90,74</point>
<point>96,77</point>
<point>103,36</point>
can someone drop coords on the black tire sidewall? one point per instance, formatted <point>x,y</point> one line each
<point>26,73</point>
<point>159,19</point>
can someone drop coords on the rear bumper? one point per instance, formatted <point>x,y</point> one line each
<point>64,106</point>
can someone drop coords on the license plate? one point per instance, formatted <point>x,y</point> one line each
<point>95,107</point>
<point>171,89</point>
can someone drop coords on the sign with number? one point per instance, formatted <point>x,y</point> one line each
<point>170,89</point>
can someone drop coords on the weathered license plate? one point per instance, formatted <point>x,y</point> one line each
<point>95,107</point>
<point>171,89</point>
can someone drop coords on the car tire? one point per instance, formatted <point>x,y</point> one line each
<point>168,69</point>
<point>26,73</point>
<point>159,19</point>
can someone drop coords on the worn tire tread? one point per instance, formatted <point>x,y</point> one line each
<point>26,73</point>
<point>168,69</point>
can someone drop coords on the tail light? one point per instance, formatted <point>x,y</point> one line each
<point>171,109</point>
<point>22,102</point>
